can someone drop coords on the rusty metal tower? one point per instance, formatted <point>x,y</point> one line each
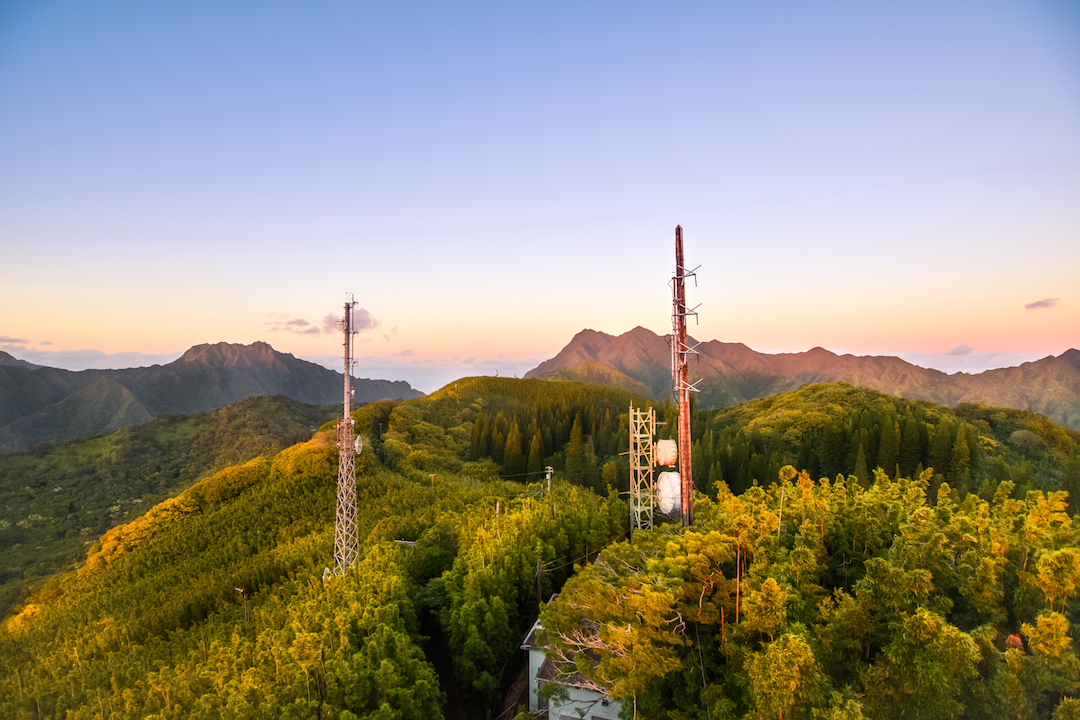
<point>680,373</point>
<point>346,542</point>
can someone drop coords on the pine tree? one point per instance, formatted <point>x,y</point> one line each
<point>941,450</point>
<point>910,445</point>
<point>498,446</point>
<point>477,448</point>
<point>889,446</point>
<point>592,471</point>
<point>576,472</point>
<point>860,467</point>
<point>513,463</point>
<point>832,449</point>
<point>716,474</point>
<point>960,460</point>
<point>536,453</point>
<point>609,476</point>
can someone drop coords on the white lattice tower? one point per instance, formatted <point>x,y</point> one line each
<point>642,462</point>
<point>346,542</point>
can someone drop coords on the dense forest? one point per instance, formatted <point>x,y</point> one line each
<point>834,429</point>
<point>828,599</point>
<point>155,623</point>
<point>500,426</point>
<point>216,603</point>
<point>509,428</point>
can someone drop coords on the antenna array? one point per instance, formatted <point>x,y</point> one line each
<point>346,542</point>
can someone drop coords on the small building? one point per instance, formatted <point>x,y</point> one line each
<point>582,702</point>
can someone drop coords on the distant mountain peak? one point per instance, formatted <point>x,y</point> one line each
<point>1072,357</point>
<point>51,404</point>
<point>11,360</point>
<point>732,373</point>
<point>229,353</point>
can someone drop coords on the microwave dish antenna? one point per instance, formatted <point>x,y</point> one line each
<point>669,493</point>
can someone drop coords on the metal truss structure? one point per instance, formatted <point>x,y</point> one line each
<point>346,541</point>
<point>642,462</point>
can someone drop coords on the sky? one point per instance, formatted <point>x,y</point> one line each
<point>488,179</point>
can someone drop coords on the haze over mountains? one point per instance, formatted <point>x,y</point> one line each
<point>44,405</point>
<point>732,373</point>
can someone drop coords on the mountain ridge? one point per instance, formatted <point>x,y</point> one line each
<point>43,404</point>
<point>732,373</point>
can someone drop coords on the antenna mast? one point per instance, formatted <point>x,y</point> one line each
<point>346,545</point>
<point>680,375</point>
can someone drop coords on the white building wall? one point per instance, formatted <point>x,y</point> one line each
<point>536,659</point>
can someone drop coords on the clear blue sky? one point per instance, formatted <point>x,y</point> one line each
<point>490,178</point>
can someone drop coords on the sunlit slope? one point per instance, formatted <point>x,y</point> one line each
<point>484,426</point>
<point>835,428</point>
<point>154,624</point>
<point>490,426</point>
<point>802,598</point>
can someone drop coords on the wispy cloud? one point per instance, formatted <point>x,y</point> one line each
<point>280,322</point>
<point>961,350</point>
<point>46,342</point>
<point>1042,304</point>
<point>363,320</point>
<point>294,325</point>
<point>8,340</point>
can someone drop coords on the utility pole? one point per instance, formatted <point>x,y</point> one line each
<point>346,543</point>
<point>680,375</point>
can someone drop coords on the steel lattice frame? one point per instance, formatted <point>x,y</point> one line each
<point>346,542</point>
<point>642,462</point>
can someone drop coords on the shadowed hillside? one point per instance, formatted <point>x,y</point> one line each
<point>44,405</point>
<point>58,498</point>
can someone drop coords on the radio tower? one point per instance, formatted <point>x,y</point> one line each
<point>642,462</point>
<point>346,546</point>
<point>680,375</point>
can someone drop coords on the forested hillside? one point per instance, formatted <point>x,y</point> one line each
<point>834,428</point>
<point>486,427</point>
<point>154,624</point>
<point>58,499</point>
<point>828,599</point>
<point>831,589</point>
